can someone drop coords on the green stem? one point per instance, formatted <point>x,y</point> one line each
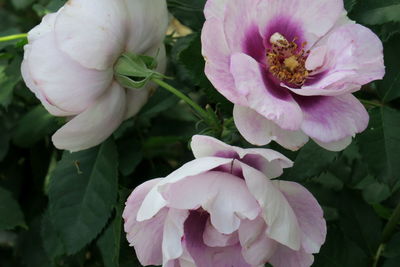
<point>390,227</point>
<point>189,101</point>
<point>371,103</point>
<point>13,37</point>
<point>378,255</point>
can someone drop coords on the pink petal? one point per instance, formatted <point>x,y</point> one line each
<point>257,130</point>
<point>203,255</point>
<point>147,24</point>
<point>286,257</point>
<point>308,212</point>
<point>332,118</point>
<point>336,145</point>
<point>95,124</point>
<point>257,248</point>
<point>215,8</point>
<point>304,14</point>
<point>213,238</point>
<point>70,86</point>
<point>353,57</point>
<point>145,237</point>
<point>268,161</point>
<point>223,195</point>
<point>213,191</point>
<point>282,223</point>
<point>154,201</point>
<point>173,234</point>
<point>272,103</point>
<point>92,32</point>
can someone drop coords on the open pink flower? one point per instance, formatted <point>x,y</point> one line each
<point>290,67</point>
<point>69,62</point>
<point>222,209</point>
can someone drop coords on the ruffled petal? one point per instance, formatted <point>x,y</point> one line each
<point>257,130</point>
<point>286,257</point>
<point>272,103</point>
<point>336,145</point>
<point>65,83</point>
<point>223,195</point>
<point>147,24</point>
<point>257,248</point>
<point>217,57</point>
<point>279,216</point>
<point>173,233</point>
<point>154,201</point>
<point>215,9</point>
<point>308,19</point>
<point>268,161</point>
<point>353,57</point>
<point>92,33</point>
<point>308,212</point>
<point>332,118</point>
<point>213,238</point>
<point>145,237</point>
<point>95,124</point>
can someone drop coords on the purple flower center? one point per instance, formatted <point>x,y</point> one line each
<point>287,60</point>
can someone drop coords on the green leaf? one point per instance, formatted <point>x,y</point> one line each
<point>311,161</point>
<point>109,242</point>
<point>82,193</point>
<point>10,212</point>
<point>392,262</point>
<point>339,251</point>
<point>52,242</point>
<point>374,12</point>
<point>392,248</point>
<point>4,141</point>
<point>389,88</point>
<point>359,222</point>
<point>380,144</point>
<point>21,4</point>
<point>376,193</point>
<point>349,4</point>
<point>9,78</point>
<point>131,155</point>
<point>33,126</point>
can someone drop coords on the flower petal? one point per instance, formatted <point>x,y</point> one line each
<point>65,83</point>
<point>203,255</point>
<point>337,145</point>
<point>145,237</point>
<point>257,248</point>
<point>215,8</point>
<point>277,212</point>
<point>92,32</point>
<point>332,118</point>
<point>147,25</point>
<point>223,195</point>
<point>268,161</point>
<point>213,238</point>
<point>308,212</point>
<point>154,201</point>
<point>173,233</point>
<point>257,130</point>
<point>353,57</point>
<point>286,257</point>
<point>281,15</point>
<point>95,124</point>
<point>217,57</point>
<point>272,103</point>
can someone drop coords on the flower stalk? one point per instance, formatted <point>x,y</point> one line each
<point>13,37</point>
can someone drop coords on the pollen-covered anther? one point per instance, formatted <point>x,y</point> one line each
<point>287,60</point>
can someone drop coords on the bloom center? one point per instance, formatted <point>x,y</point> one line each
<point>287,60</point>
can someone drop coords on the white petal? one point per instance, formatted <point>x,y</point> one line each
<point>95,124</point>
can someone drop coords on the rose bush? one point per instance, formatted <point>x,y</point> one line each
<point>290,67</point>
<point>69,60</point>
<point>224,209</point>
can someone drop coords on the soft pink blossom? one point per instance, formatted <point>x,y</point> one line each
<point>290,67</point>
<point>68,64</point>
<point>223,209</point>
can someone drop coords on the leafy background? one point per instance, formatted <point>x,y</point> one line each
<point>62,209</point>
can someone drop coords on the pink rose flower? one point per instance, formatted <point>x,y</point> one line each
<point>223,209</point>
<point>69,62</point>
<point>290,67</point>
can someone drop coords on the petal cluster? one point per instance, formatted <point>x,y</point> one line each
<point>330,56</point>
<point>68,64</point>
<point>224,209</point>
